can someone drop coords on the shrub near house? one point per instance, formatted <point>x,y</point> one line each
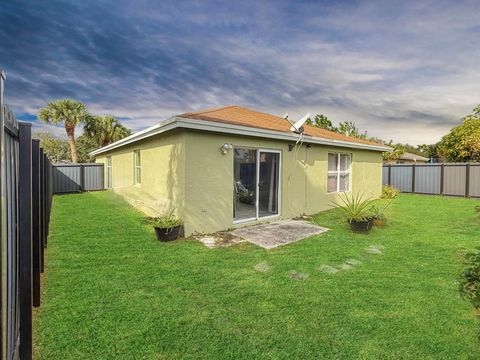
<point>469,283</point>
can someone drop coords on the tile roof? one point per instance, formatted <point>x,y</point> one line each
<point>238,115</point>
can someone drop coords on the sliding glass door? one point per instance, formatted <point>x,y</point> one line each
<point>268,183</point>
<point>245,184</point>
<point>256,184</point>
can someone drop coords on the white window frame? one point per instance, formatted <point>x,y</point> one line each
<point>339,172</point>
<point>109,173</point>
<point>137,168</point>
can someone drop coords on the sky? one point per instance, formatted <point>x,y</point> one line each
<point>402,70</point>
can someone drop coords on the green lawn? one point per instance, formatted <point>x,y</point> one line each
<point>111,290</point>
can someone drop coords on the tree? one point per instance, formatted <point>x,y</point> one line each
<point>462,144</point>
<point>430,150</point>
<point>398,150</point>
<point>56,149</point>
<point>85,145</point>
<point>350,129</point>
<point>68,112</point>
<point>105,130</point>
<point>322,122</point>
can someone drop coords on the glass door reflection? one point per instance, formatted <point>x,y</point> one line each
<point>245,184</point>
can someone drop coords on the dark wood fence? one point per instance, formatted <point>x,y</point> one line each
<point>70,178</point>
<point>452,179</point>
<point>26,194</point>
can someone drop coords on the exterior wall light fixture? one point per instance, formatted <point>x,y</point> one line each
<point>226,148</point>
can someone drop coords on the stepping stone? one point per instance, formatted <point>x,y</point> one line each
<point>353,262</point>
<point>375,249</point>
<point>297,275</point>
<point>262,267</point>
<point>345,266</point>
<point>328,269</point>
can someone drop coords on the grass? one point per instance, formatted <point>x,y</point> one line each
<point>112,291</point>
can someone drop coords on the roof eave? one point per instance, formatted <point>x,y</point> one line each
<point>150,131</point>
<point>213,126</point>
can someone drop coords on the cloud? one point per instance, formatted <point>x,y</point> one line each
<point>404,71</point>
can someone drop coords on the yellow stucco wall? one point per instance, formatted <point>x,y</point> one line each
<point>162,174</point>
<point>186,170</point>
<point>209,178</point>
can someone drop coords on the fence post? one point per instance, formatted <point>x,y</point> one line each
<point>41,213</point>
<point>467,180</point>
<point>36,238</point>
<point>103,177</point>
<point>413,179</point>
<point>3,235</point>
<point>442,176</point>
<point>49,193</point>
<point>45,199</point>
<point>25,237</point>
<point>389,174</point>
<point>82,177</point>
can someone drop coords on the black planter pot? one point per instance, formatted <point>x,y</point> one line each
<point>361,226</point>
<point>168,234</point>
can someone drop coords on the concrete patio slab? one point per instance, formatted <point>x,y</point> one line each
<point>278,233</point>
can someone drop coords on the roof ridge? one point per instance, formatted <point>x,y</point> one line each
<point>208,110</point>
<point>261,112</point>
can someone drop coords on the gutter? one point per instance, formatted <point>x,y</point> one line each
<point>213,126</point>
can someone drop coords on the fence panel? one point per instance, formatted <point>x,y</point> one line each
<point>25,236</point>
<point>10,242</point>
<point>385,175</point>
<point>66,179</point>
<point>401,178</point>
<point>93,177</point>
<point>36,229</point>
<point>454,180</point>
<point>427,179</point>
<point>474,180</point>
<point>24,209</point>
<point>69,178</point>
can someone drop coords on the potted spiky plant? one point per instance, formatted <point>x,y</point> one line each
<point>168,227</point>
<point>358,211</point>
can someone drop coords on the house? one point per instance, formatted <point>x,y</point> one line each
<point>219,168</point>
<point>408,158</point>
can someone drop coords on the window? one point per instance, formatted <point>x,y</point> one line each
<point>138,167</point>
<point>338,172</point>
<point>109,172</point>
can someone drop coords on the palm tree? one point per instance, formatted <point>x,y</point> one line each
<point>69,112</point>
<point>105,130</point>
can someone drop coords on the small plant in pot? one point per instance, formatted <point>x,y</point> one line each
<point>357,210</point>
<point>167,227</point>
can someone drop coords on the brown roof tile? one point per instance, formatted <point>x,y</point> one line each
<point>246,117</point>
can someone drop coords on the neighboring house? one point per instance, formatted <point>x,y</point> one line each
<point>408,158</point>
<point>221,167</point>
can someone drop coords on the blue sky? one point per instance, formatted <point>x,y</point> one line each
<point>406,71</point>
